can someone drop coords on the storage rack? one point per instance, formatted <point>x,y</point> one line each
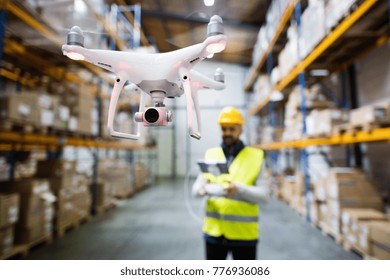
<point>335,37</point>
<point>14,142</point>
<point>365,12</point>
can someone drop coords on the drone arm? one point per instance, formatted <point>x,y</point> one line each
<point>206,82</point>
<point>111,112</point>
<point>214,44</point>
<point>80,52</point>
<point>184,75</point>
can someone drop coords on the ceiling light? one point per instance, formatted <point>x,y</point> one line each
<point>208,3</point>
<point>319,73</point>
<point>80,7</point>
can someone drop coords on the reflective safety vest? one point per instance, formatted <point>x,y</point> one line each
<point>234,219</point>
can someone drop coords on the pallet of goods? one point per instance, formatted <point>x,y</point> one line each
<point>370,117</point>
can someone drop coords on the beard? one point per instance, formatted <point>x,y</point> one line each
<point>229,140</point>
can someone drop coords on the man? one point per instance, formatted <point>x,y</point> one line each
<point>231,220</point>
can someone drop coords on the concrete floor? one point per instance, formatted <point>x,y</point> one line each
<point>156,225</point>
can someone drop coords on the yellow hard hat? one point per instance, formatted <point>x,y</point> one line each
<point>230,115</point>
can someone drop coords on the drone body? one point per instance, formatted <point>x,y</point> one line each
<point>158,75</point>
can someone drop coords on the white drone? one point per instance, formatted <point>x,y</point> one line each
<point>159,75</point>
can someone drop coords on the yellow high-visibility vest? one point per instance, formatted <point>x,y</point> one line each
<point>235,220</point>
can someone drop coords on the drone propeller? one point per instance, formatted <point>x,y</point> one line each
<point>64,30</point>
<point>235,43</point>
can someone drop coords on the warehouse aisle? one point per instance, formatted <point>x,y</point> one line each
<point>156,225</point>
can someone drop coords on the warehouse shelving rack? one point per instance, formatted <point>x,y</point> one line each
<point>324,46</point>
<point>316,59</point>
<point>19,142</point>
<point>376,135</point>
<point>283,24</point>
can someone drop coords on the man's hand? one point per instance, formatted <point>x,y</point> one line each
<point>202,190</point>
<point>231,191</point>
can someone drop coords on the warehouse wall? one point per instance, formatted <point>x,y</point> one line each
<point>373,72</point>
<point>187,150</point>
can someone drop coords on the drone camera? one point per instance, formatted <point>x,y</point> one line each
<point>154,116</point>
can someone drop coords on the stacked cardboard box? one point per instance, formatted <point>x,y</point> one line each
<point>313,28</point>
<point>287,187</point>
<point>104,119</point>
<point>141,174</point>
<point>118,177</point>
<point>4,169</point>
<point>36,210</point>
<point>62,118</point>
<point>374,238</point>
<point>48,107</point>
<point>270,134</point>
<point>335,10</point>
<point>319,208</point>
<point>320,123</point>
<point>82,115</point>
<point>26,164</point>
<point>348,188</point>
<point>71,190</point>
<point>351,219</point>
<point>370,115</point>
<point>293,121</point>
<point>105,197</point>
<point>21,107</point>
<point>9,215</point>
<point>288,57</point>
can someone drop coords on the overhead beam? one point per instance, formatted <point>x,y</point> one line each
<point>196,19</point>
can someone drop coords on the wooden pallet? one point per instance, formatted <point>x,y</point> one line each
<point>351,248</point>
<point>364,255</point>
<point>16,126</point>
<point>103,209</point>
<point>367,127</point>
<point>125,196</point>
<point>341,129</point>
<point>338,238</point>
<point>16,250</point>
<point>369,258</point>
<point>48,239</point>
<point>22,126</point>
<point>319,135</point>
<point>60,230</point>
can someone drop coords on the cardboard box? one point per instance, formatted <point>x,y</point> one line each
<point>6,238</point>
<point>335,206</point>
<point>351,217</point>
<point>48,106</point>
<point>141,176</point>
<point>320,123</point>
<point>20,107</point>
<point>371,233</point>
<point>381,252</point>
<point>55,168</point>
<point>380,233</point>
<point>9,209</point>
<point>28,186</point>
<point>29,235</point>
<point>352,221</point>
<point>85,125</point>
<point>372,114</point>
<point>351,189</point>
